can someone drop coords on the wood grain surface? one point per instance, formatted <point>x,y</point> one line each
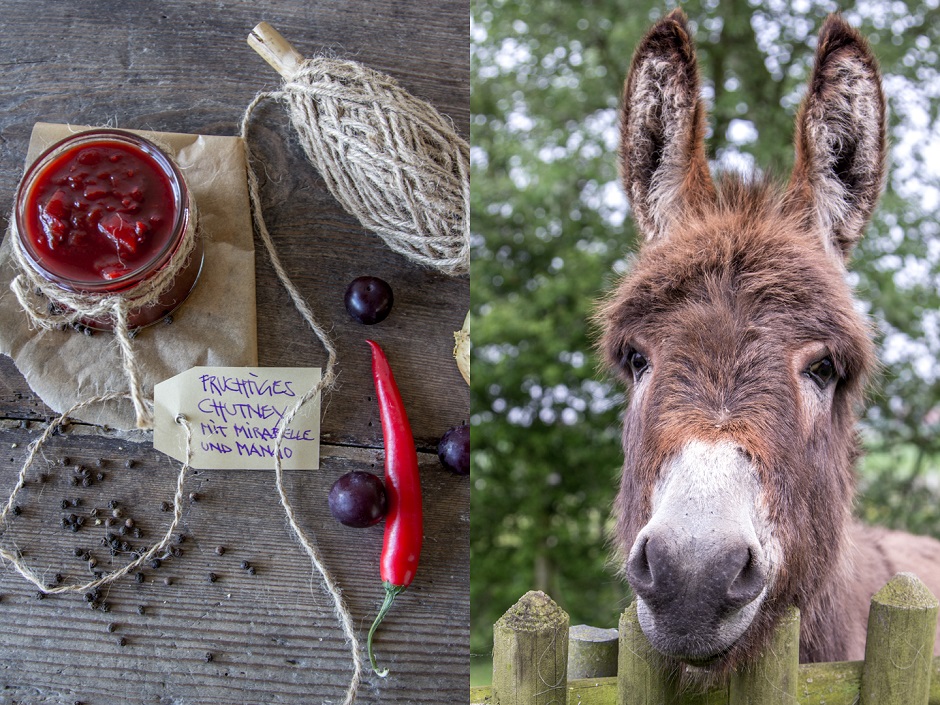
<point>270,637</point>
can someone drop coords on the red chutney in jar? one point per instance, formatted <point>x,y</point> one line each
<point>104,212</point>
<point>100,211</point>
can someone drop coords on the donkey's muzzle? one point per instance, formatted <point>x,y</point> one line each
<point>695,594</point>
<point>661,574</point>
<point>698,567</point>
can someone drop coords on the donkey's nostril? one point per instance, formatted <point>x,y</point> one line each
<point>749,582</point>
<point>639,572</point>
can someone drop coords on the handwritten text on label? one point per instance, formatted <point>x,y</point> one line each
<point>235,414</point>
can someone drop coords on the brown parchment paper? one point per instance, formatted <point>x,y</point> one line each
<point>215,326</point>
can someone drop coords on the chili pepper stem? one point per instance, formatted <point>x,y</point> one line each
<point>391,592</point>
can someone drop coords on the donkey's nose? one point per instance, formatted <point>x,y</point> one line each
<point>682,578</point>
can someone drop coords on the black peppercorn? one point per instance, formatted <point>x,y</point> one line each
<point>212,577</point>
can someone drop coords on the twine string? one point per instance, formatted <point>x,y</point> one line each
<point>17,560</point>
<point>141,407</point>
<point>327,379</point>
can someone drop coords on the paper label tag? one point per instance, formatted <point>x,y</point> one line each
<point>235,414</point>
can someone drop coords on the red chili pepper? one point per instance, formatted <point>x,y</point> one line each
<point>403,530</point>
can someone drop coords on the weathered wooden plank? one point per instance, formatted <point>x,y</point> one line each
<point>272,635</point>
<point>185,67</point>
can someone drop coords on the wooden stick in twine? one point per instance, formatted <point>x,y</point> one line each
<point>274,49</point>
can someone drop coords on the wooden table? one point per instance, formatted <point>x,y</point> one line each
<point>272,636</point>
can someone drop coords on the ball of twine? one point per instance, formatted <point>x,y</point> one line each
<point>49,306</point>
<point>390,159</point>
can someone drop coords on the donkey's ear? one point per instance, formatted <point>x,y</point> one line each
<point>840,139</point>
<point>662,126</point>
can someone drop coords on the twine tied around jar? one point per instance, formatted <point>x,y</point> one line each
<point>49,306</point>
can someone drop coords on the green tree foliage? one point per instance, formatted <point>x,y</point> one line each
<point>551,232</point>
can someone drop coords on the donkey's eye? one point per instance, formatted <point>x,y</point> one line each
<point>822,372</point>
<point>638,364</point>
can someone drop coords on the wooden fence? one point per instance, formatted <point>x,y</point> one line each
<point>538,660</point>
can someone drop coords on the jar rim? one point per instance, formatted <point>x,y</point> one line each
<point>104,135</point>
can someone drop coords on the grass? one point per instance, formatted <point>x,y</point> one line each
<point>481,670</point>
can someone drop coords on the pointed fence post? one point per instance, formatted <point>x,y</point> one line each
<point>530,653</point>
<point>773,678</point>
<point>902,625</point>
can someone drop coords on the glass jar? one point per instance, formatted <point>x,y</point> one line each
<point>103,212</point>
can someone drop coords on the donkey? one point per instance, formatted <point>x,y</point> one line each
<point>746,362</point>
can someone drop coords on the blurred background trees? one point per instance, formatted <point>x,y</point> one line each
<point>552,231</point>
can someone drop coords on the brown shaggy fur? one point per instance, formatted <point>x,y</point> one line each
<point>733,278</point>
